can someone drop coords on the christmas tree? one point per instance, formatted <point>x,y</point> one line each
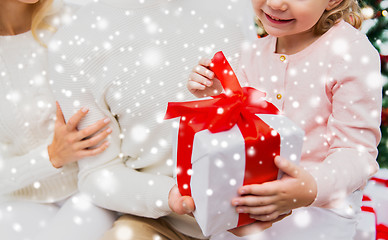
<point>376,14</point>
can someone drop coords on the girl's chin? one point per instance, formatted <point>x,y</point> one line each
<point>29,1</point>
<point>275,33</point>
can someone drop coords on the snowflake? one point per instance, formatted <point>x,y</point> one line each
<point>209,192</point>
<point>340,46</point>
<point>302,219</point>
<point>139,133</point>
<point>124,232</point>
<point>81,202</point>
<point>152,57</point>
<point>374,80</point>
<point>236,156</point>
<point>219,163</point>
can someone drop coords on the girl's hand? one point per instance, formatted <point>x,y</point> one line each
<point>267,201</point>
<point>70,145</point>
<point>255,227</point>
<point>180,204</point>
<point>202,82</point>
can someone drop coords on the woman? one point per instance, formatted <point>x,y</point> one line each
<point>38,170</point>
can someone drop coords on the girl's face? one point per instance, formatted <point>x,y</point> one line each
<point>282,18</point>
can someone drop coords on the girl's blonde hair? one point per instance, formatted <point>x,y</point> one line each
<point>348,10</point>
<point>41,8</point>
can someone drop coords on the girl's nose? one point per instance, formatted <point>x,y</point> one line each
<point>277,4</point>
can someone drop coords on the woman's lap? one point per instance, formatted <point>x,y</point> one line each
<point>75,218</point>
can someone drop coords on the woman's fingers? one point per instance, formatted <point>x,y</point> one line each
<point>94,151</point>
<point>92,129</point>
<point>59,114</point>
<point>76,118</point>
<point>93,141</point>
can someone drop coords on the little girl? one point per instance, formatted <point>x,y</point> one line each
<point>323,74</point>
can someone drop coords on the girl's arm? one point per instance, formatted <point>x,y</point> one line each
<point>353,131</point>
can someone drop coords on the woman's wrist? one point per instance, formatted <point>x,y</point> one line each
<point>53,159</point>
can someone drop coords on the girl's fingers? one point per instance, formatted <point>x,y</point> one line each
<point>203,71</point>
<point>262,210</point>
<point>92,129</point>
<point>252,201</point>
<point>205,62</point>
<point>93,141</point>
<point>264,189</point>
<point>287,167</point>
<point>193,86</point>
<point>267,217</point>
<point>76,118</point>
<point>195,77</point>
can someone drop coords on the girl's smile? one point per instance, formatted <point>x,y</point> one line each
<point>277,20</point>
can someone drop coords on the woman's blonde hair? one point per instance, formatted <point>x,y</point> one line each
<point>41,8</point>
<point>348,10</point>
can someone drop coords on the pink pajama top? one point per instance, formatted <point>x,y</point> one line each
<point>333,90</point>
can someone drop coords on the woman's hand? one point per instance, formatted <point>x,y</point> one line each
<point>70,144</point>
<point>180,204</point>
<point>267,201</point>
<point>202,82</point>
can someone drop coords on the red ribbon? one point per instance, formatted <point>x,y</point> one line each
<point>381,229</point>
<point>236,106</point>
<point>380,180</point>
<point>381,232</point>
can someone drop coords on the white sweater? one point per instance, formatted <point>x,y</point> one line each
<point>127,60</point>
<point>27,110</point>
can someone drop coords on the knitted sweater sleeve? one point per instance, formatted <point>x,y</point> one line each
<point>19,171</point>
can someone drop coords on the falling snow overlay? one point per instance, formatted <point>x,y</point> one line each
<point>127,66</point>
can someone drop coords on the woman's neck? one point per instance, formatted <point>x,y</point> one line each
<point>295,43</point>
<point>15,17</point>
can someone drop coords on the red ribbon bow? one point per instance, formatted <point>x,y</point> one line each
<point>236,106</point>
